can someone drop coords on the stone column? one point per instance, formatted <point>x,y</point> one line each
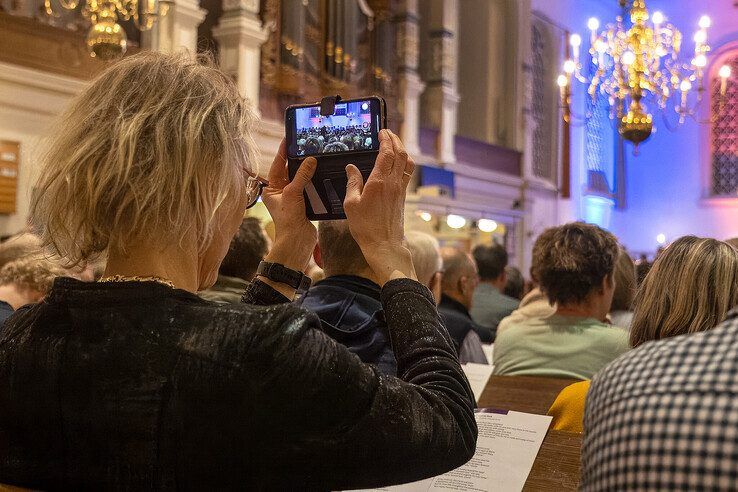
<point>441,96</point>
<point>240,35</point>
<point>410,85</point>
<point>177,29</point>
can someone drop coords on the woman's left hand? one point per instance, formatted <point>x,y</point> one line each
<point>295,235</point>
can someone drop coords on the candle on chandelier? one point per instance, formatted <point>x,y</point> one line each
<point>593,24</point>
<point>724,73</point>
<point>685,87</point>
<point>576,42</point>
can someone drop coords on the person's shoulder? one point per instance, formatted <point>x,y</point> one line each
<point>509,303</point>
<point>705,361</point>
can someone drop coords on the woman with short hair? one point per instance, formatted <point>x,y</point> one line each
<point>134,382</point>
<point>574,265</point>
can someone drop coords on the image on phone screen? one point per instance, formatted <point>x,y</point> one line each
<point>353,127</point>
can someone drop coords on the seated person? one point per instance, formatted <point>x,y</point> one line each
<point>426,254</point>
<point>248,247</point>
<point>514,283</point>
<point>459,281</point>
<point>621,310</point>
<point>663,417</point>
<point>25,281</point>
<point>490,305</point>
<point>18,246</point>
<point>134,382</point>
<point>535,304</point>
<point>574,264</point>
<point>348,301</point>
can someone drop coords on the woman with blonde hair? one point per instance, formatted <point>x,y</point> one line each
<point>690,288</point>
<point>134,382</point>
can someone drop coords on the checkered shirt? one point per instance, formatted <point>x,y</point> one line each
<point>664,416</point>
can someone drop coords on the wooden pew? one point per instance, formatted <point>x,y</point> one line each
<point>557,464</point>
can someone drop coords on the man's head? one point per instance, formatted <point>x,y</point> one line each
<point>574,264</point>
<point>249,246</point>
<point>491,262</point>
<point>460,277</point>
<point>338,253</point>
<point>515,284</point>
<point>427,260</point>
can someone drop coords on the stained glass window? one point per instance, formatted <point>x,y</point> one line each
<point>724,135</point>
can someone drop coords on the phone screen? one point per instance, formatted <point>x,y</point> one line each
<point>353,127</point>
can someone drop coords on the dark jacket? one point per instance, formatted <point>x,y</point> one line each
<point>137,386</point>
<point>350,309</point>
<point>456,318</point>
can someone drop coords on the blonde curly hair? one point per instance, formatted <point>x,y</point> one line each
<point>33,273</point>
<point>151,148</point>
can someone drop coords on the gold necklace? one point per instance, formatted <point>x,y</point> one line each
<point>123,278</point>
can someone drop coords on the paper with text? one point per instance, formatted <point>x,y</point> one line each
<point>506,449</point>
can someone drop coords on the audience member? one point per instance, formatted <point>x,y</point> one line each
<point>515,284</point>
<point>349,300</point>
<point>426,253</point>
<point>135,382</point>
<point>685,272</point>
<point>671,402</point>
<point>574,264</point>
<point>621,311</point>
<point>25,281</point>
<point>18,246</point>
<point>458,284</point>
<point>642,268</point>
<point>248,247</point>
<point>490,304</point>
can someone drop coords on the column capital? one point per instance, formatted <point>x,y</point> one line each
<point>241,27</point>
<point>251,6</point>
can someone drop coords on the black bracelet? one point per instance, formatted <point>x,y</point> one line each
<point>277,272</point>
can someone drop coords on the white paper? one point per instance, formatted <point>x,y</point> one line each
<point>506,449</point>
<point>478,376</point>
<point>489,351</point>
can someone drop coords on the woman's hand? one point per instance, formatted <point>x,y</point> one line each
<point>295,235</point>
<point>376,210</point>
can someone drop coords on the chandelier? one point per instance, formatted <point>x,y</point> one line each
<point>106,38</point>
<point>637,65</point>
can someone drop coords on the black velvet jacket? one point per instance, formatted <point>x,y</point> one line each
<point>135,385</point>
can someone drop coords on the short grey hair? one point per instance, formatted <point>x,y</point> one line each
<point>339,251</point>
<point>426,255</point>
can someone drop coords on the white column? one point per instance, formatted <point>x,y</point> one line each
<point>441,95</point>
<point>177,29</point>
<point>410,85</point>
<point>240,35</point>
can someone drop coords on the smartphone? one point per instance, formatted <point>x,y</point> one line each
<point>348,136</point>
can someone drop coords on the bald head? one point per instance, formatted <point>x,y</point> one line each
<point>459,275</point>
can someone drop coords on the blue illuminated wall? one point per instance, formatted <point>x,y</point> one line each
<point>666,185</point>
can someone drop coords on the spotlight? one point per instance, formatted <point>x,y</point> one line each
<point>661,239</point>
<point>426,216</point>
<point>455,221</point>
<point>487,225</point>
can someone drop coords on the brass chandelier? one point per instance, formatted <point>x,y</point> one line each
<point>638,63</point>
<point>106,38</point>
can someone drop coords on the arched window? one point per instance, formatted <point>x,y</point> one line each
<point>724,130</point>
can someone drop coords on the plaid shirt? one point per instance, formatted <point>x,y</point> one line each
<point>665,416</point>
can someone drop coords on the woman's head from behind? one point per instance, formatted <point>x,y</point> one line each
<point>574,265</point>
<point>690,288</point>
<point>153,154</point>
<point>625,283</point>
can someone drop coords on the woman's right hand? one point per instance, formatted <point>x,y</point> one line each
<point>376,210</point>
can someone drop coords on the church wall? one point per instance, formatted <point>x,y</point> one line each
<point>666,183</point>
